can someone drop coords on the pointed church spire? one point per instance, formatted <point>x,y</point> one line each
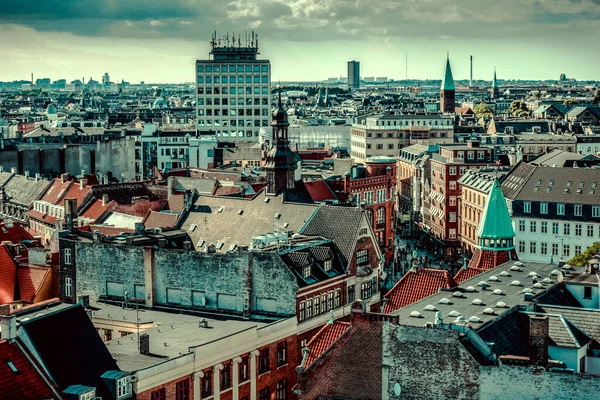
<point>495,222</point>
<point>495,82</point>
<point>448,81</point>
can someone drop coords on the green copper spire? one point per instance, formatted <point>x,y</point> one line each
<point>448,81</point>
<point>495,231</point>
<point>495,82</point>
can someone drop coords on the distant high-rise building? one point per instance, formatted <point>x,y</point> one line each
<point>447,90</point>
<point>233,89</point>
<point>105,79</point>
<point>353,74</point>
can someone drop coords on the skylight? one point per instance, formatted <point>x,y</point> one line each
<point>12,366</point>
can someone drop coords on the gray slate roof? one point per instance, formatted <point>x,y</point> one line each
<point>556,157</point>
<point>257,218</point>
<point>588,320</point>
<point>339,224</point>
<point>202,185</point>
<point>25,191</point>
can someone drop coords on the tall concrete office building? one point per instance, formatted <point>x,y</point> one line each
<point>353,74</point>
<point>233,89</point>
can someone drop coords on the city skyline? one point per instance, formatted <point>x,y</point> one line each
<point>305,40</point>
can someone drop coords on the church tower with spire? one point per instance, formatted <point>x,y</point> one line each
<point>281,161</point>
<point>447,91</point>
<point>495,237</point>
<point>494,86</point>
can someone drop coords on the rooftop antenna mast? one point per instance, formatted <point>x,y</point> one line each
<point>406,78</point>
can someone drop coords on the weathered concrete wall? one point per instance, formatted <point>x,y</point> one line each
<point>229,282</point>
<point>51,159</point>
<point>427,364</point>
<point>9,159</point>
<point>116,157</point>
<point>531,383</point>
<point>31,162</point>
<point>78,158</point>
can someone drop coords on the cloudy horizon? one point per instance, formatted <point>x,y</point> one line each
<point>308,40</point>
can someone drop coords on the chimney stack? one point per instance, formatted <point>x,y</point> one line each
<point>140,228</point>
<point>64,177</point>
<point>8,324</point>
<point>538,340</point>
<point>83,183</point>
<point>144,344</point>
<point>70,214</point>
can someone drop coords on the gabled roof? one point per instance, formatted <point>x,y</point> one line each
<point>56,191</point>
<point>338,223</point>
<point>416,285</point>
<point>26,382</point>
<point>467,273</point>
<point>97,209</point>
<point>14,234</point>
<point>586,319</point>
<point>324,340</point>
<point>76,192</point>
<point>495,220</point>
<point>31,279</point>
<point>8,274</point>
<point>319,191</point>
<point>448,81</point>
<point>68,334</point>
<point>160,220</point>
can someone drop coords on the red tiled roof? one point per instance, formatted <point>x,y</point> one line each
<point>415,286</point>
<point>24,384</point>
<point>16,234</point>
<point>319,191</point>
<point>76,192</point>
<point>160,220</point>
<point>42,304</point>
<point>96,209</point>
<point>467,273</point>
<point>175,202</point>
<point>106,230</point>
<point>226,190</point>
<point>463,110</point>
<point>324,340</point>
<point>8,273</point>
<point>31,278</point>
<point>139,209</point>
<point>56,191</point>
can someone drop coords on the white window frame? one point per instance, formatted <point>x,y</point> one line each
<point>560,209</point>
<point>123,387</point>
<point>577,210</point>
<point>543,208</point>
<point>527,207</point>
<point>68,287</point>
<point>596,211</point>
<point>67,256</point>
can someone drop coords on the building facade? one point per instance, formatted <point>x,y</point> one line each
<point>353,74</point>
<point>233,90</point>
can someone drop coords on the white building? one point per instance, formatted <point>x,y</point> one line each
<point>233,91</point>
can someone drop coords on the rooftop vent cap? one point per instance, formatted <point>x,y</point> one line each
<point>267,200</point>
<point>504,273</point>
<point>459,320</point>
<point>240,212</point>
<point>489,311</point>
<point>453,313</point>
<point>547,280</point>
<point>430,307</point>
<point>470,289</point>
<point>532,274</point>
<point>515,268</point>
<point>415,314</point>
<point>477,302</point>
<point>220,209</point>
<point>457,294</point>
<point>499,292</point>
<point>518,264</point>
<point>445,301</point>
<point>515,283</point>
<point>501,304</point>
<point>527,290</point>
<point>475,318</point>
<point>493,278</point>
<point>538,286</point>
<point>555,272</point>
<point>483,284</point>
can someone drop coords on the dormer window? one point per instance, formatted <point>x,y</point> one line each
<point>91,395</point>
<point>123,387</point>
<point>306,270</point>
<point>327,265</point>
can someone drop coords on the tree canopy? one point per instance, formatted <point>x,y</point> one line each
<point>483,110</point>
<point>582,259</point>
<point>518,108</point>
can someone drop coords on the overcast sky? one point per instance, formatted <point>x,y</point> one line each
<point>158,40</point>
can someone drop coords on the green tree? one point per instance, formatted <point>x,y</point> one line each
<point>483,110</point>
<point>596,97</point>
<point>518,108</point>
<point>582,259</point>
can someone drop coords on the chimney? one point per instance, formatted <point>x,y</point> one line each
<point>8,325</point>
<point>13,170</point>
<point>37,176</point>
<point>105,199</point>
<point>83,183</point>
<point>211,248</point>
<point>538,340</point>
<point>140,228</point>
<point>187,245</point>
<point>96,236</point>
<point>26,173</point>
<point>149,268</point>
<point>144,344</point>
<point>170,184</point>
<point>70,214</point>
<point>84,300</point>
<point>64,178</point>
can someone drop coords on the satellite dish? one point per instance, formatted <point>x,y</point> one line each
<point>203,301</point>
<point>397,389</point>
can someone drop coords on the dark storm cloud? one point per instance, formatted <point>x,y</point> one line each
<point>314,20</point>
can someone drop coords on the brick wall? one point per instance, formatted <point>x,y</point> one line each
<point>170,389</point>
<point>351,369</point>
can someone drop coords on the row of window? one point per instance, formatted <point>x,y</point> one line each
<point>226,101</point>
<point>233,79</point>
<point>225,123</point>
<point>307,269</point>
<point>319,304</point>
<point>560,209</point>
<point>578,231</point>
<point>241,90</point>
<point>232,68</point>
<point>233,112</point>
<point>370,197</point>
<point>533,248</point>
<point>412,122</point>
